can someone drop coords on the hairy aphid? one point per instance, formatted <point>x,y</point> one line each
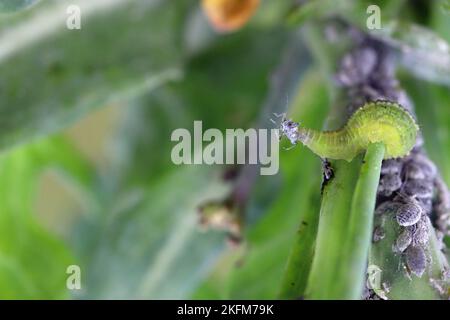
<point>416,260</point>
<point>426,203</point>
<point>389,183</point>
<point>420,232</point>
<point>352,72</point>
<point>378,234</point>
<point>418,188</point>
<point>409,213</point>
<point>442,206</point>
<point>380,121</point>
<point>403,241</point>
<point>391,166</point>
<point>428,167</point>
<point>413,171</point>
<point>387,207</point>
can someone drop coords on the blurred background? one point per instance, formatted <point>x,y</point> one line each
<point>86,116</point>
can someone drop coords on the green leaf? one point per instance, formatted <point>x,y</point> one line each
<point>333,227</point>
<point>14,5</point>
<point>421,50</point>
<point>51,76</point>
<point>32,262</point>
<point>145,228</point>
<point>238,274</point>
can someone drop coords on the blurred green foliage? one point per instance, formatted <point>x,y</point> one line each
<point>13,5</point>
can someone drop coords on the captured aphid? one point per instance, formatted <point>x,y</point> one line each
<point>380,121</point>
<point>229,15</point>
<point>289,129</point>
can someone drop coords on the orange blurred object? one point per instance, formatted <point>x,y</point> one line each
<point>229,15</point>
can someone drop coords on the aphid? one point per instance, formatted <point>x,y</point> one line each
<point>357,66</point>
<point>414,171</point>
<point>416,260</point>
<point>378,234</point>
<point>428,167</point>
<point>289,129</point>
<point>418,188</point>
<point>380,121</point>
<point>229,15</point>
<point>391,166</point>
<point>420,232</point>
<point>389,183</point>
<point>409,213</point>
<point>403,241</point>
<point>387,207</point>
<point>327,169</point>
<point>426,203</point>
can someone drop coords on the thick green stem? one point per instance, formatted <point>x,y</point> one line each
<point>345,228</point>
<point>349,284</point>
<point>300,258</point>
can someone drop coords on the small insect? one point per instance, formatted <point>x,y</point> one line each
<point>378,234</point>
<point>409,212</point>
<point>391,166</point>
<point>387,207</point>
<point>420,232</point>
<point>389,183</point>
<point>416,260</point>
<point>422,189</point>
<point>379,121</point>
<point>403,241</point>
<point>288,128</point>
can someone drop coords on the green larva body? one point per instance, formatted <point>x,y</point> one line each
<point>379,121</point>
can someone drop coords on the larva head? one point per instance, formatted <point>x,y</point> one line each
<point>387,122</point>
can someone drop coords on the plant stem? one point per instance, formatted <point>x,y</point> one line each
<point>349,284</point>
<point>345,228</point>
<point>300,258</point>
<point>332,230</point>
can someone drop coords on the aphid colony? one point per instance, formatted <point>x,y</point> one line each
<point>408,187</point>
<point>410,191</point>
